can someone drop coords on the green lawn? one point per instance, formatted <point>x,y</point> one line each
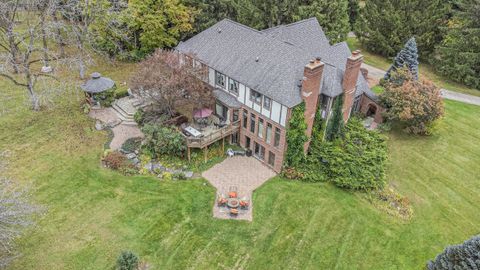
<point>93,213</point>
<point>426,70</point>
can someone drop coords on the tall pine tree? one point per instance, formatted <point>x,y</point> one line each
<point>458,56</point>
<point>407,57</point>
<point>335,124</point>
<point>384,25</point>
<point>353,12</point>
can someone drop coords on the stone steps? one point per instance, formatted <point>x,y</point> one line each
<point>125,111</point>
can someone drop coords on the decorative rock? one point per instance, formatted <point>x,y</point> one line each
<point>46,69</point>
<point>131,156</point>
<point>188,174</point>
<point>99,125</point>
<point>135,161</point>
<point>148,166</point>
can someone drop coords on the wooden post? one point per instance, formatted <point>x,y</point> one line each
<point>205,153</point>
<point>223,145</point>
<point>188,153</point>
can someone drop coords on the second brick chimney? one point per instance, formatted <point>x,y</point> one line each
<point>352,71</point>
<point>310,90</point>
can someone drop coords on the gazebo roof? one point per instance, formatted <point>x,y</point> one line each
<point>97,84</point>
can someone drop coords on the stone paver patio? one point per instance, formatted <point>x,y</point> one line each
<point>121,132</point>
<point>244,173</point>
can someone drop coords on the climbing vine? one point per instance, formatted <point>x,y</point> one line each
<point>296,137</point>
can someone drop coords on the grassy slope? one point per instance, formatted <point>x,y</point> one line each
<point>426,71</point>
<point>94,213</point>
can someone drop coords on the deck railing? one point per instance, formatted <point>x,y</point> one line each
<point>201,142</point>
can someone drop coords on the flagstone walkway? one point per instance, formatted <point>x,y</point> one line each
<point>245,174</point>
<point>121,131</point>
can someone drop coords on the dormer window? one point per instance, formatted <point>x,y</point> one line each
<point>267,103</point>
<point>256,97</point>
<point>233,86</point>
<point>219,79</point>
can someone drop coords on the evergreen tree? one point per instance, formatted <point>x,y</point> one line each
<point>458,56</point>
<point>335,124</point>
<point>332,16</point>
<point>384,25</point>
<point>463,256</point>
<point>127,261</point>
<point>208,12</point>
<point>407,57</point>
<point>353,12</point>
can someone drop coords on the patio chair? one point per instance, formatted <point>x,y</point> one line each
<point>234,212</point>
<point>244,203</point>
<point>221,200</point>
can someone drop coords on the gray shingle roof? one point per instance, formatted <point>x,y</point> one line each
<point>97,84</point>
<point>226,98</point>
<point>282,52</point>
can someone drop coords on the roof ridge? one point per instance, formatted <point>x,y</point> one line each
<point>299,22</point>
<point>242,25</point>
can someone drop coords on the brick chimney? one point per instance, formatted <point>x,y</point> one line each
<point>349,84</point>
<point>310,90</point>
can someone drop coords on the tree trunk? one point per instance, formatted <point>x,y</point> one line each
<point>13,49</point>
<point>61,43</point>
<point>44,42</point>
<point>31,92</point>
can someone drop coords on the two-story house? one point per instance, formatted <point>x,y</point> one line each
<point>259,76</point>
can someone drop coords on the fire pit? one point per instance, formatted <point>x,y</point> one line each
<point>233,203</point>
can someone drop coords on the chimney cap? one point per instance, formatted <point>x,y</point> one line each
<point>318,58</point>
<point>356,52</point>
<point>312,61</point>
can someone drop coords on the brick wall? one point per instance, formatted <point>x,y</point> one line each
<point>368,104</point>
<point>310,92</point>
<point>352,71</point>
<point>269,147</point>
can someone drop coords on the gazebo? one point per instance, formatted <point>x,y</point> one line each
<point>96,88</point>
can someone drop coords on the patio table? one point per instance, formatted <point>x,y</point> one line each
<point>193,131</point>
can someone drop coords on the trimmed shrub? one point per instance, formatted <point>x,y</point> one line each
<point>127,261</point>
<point>463,256</point>
<point>162,140</point>
<point>118,162</point>
<point>131,144</point>
<point>139,116</point>
<point>106,98</point>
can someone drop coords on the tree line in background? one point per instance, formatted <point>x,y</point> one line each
<point>132,29</point>
<point>446,32</point>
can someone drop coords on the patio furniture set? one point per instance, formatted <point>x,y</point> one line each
<point>203,119</point>
<point>233,203</point>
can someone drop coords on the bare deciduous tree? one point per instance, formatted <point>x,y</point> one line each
<point>26,28</point>
<point>170,82</point>
<point>16,213</point>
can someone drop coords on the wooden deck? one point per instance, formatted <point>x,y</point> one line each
<point>220,134</point>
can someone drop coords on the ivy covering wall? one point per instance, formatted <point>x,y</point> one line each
<point>296,137</point>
